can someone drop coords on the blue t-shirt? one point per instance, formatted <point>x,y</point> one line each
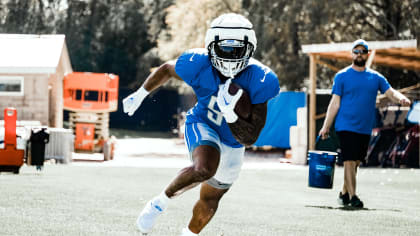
<point>195,68</point>
<point>358,92</point>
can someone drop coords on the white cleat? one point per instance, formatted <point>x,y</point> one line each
<point>148,216</point>
<point>187,232</point>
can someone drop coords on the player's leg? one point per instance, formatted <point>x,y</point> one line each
<point>205,207</point>
<point>213,189</point>
<point>205,162</point>
<point>202,143</point>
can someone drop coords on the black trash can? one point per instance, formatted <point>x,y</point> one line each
<point>38,139</point>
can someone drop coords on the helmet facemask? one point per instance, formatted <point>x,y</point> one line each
<point>230,56</point>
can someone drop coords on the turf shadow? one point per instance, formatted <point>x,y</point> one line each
<point>350,208</point>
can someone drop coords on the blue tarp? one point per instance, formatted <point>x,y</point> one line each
<point>282,111</point>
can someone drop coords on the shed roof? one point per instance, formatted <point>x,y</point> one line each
<point>32,54</point>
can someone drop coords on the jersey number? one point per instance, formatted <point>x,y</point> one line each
<point>214,115</point>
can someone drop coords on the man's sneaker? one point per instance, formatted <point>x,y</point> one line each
<point>355,202</point>
<point>147,217</point>
<point>343,199</point>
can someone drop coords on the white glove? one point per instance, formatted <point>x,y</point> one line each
<point>133,101</point>
<point>227,102</point>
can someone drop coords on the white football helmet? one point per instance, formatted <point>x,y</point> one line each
<point>231,42</point>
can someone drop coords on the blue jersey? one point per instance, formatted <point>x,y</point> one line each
<point>357,91</point>
<point>195,68</point>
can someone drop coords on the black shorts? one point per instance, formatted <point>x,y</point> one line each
<point>353,145</point>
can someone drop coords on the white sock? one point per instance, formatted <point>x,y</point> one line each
<point>162,200</point>
<point>187,232</point>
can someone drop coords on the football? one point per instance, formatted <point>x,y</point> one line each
<point>243,106</point>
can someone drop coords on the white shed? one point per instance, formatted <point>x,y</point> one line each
<point>32,68</point>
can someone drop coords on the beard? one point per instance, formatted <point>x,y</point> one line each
<point>360,62</point>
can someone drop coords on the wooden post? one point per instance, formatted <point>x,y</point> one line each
<point>312,102</point>
<point>370,58</point>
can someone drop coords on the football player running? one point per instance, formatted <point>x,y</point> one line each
<point>214,134</point>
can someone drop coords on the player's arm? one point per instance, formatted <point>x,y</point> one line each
<point>331,113</point>
<point>156,79</point>
<point>160,76</point>
<point>248,131</point>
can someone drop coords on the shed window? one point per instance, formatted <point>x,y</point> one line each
<point>11,86</point>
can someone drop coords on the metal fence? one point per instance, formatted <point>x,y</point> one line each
<point>60,146</point>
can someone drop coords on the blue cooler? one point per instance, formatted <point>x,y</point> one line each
<point>321,168</point>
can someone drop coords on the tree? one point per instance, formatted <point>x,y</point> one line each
<point>283,26</point>
<point>186,31</point>
<point>24,16</point>
<point>108,36</point>
<point>129,37</point>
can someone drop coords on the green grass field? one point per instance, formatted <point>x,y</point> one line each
<point>104,200</point>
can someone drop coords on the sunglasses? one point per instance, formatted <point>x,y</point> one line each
<point>357,51</point>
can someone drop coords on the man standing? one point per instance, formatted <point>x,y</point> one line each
<point>214,133</point>
<point>353,101</point>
